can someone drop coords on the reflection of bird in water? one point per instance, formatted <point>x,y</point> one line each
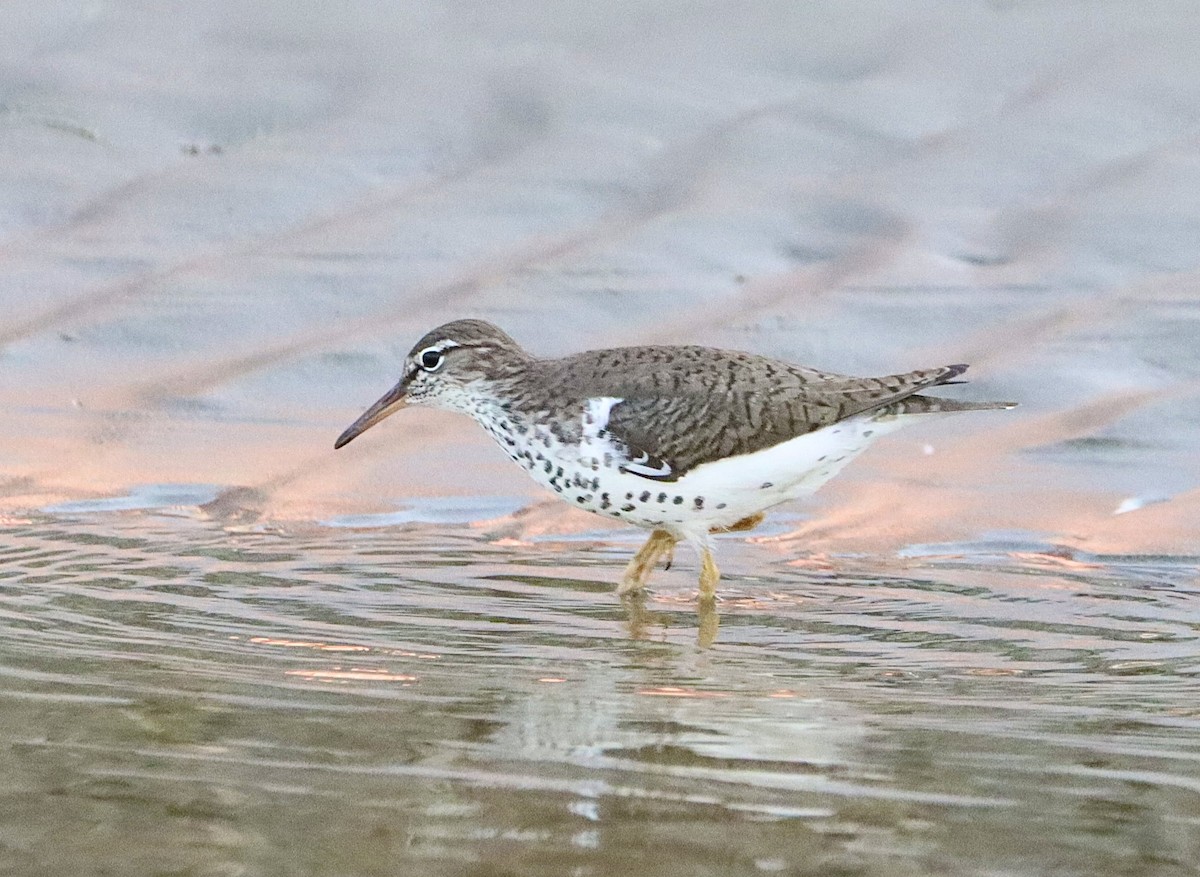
<point>683,441</point>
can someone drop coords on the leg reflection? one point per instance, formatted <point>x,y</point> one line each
<point>640,621</point>
<point>706,635</point>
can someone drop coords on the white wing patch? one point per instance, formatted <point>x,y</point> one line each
<point>596,445</point>
<point>595,417</point>
<point>647,467</point>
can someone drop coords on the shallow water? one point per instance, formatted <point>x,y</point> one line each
<point>181,699</point>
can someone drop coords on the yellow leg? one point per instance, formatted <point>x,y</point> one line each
<point>747,523</point>
<point>709,576</point>
<point>660,542</point>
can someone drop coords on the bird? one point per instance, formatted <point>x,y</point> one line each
<point>683,441</point>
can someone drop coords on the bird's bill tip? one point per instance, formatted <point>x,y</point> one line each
<point>389,404</point>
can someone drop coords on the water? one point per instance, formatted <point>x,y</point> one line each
<point>179,699</point>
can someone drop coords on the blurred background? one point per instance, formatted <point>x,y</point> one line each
<point>228,651</point>
<point>222,226</point>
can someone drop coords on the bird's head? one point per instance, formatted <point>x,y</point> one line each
<point>446,369</point>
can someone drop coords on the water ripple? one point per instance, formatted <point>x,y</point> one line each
<point>164,666</point>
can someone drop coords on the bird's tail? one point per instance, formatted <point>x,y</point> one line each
<point>938,405</point>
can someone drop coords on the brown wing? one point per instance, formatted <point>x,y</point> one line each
<point>684,406</point>
<point>684,432</point>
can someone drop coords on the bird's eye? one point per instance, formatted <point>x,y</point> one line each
<point>431,359</point>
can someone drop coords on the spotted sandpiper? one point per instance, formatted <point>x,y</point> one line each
<point>682,441</point>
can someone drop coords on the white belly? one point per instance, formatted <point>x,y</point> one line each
<point>751,483</point>
<point>712,495</point>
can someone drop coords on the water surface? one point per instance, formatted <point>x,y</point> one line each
<point>180,699</point>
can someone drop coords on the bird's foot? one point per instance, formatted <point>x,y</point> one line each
<point>630,585</point>
<point>706,608</point>
<point>660,542</point>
